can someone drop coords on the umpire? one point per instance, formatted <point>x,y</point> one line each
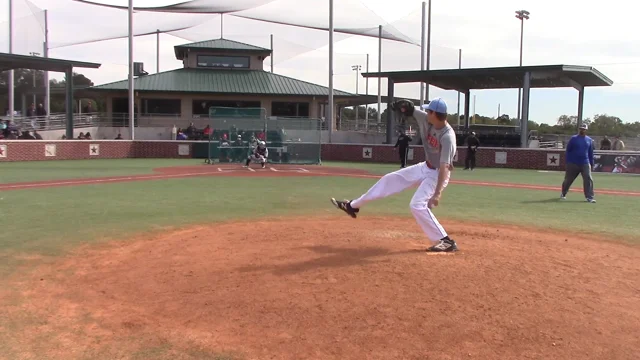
<point>403,144</point>
<point>472,148</point>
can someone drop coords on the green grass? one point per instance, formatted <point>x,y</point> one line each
<point>12,172</point>
<point>48,221</point>
<point>533,177</point>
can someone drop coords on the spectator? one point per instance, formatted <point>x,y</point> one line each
<point>37,135</point>
<point>618,144</point>
<point>605,144</point>
<point>119,137</point>
<point>81,136</point>
<point>207,132</point>
<point>87,136</point>
<point>64,137</point>
<point>26,136</point>
<point>89,108</point>
<point>191,130</point>
<point>40,111</point>
<point>181,135</point>
<point>31,111</point>
<point>3,126</point>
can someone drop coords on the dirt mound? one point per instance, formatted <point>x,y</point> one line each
<point>332,288</point>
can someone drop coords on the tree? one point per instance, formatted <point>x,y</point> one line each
<point>607,125</point>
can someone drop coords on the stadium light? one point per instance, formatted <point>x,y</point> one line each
<point>521,15</point>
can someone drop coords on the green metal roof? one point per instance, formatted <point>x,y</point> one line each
<point>223,45</point>
<point>251,82</point>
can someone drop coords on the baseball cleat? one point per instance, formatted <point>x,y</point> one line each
<point>444,245</point>
<point>591,200</point>
<point>345,206</point>
<point>264,165</point>
<point>563,197</point>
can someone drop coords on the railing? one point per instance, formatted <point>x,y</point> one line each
<point>55,121</point>
<point>362,126</point>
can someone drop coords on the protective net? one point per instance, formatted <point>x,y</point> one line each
<point>235,133</point>
<point>28,29</point>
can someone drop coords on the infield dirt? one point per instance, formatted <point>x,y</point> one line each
<point>330,288</point>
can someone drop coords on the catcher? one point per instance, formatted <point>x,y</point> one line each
<point>259,155</point>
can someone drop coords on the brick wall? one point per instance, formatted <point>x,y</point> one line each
<point>28,150</point>
<point>485,157</point>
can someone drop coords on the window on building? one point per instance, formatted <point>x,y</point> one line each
<point>201,107</point>
<point>161,107</point>
<point>290,109</point>
<point>225,62</point>
<point>120,105</point>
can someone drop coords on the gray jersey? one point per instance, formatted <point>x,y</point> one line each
<point>439,145</point>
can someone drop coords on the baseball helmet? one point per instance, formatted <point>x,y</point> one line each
<point>262,144</point>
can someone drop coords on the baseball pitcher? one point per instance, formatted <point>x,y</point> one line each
<point>431,176</point>
<point>259,155</point>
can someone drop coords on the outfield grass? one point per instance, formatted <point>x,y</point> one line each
<point>12,172</point>
<point>608,181</point>
<point>49,221</point>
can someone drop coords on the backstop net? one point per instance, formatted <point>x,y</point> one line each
<point>236,131</point>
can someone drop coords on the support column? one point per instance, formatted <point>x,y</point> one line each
<point>467,109</point>
<point>580,105</point>
<point>524,128</point>
<point>390,99</point>
<point>69,102</point>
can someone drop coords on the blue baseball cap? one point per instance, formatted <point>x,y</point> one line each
<point>438,105</point>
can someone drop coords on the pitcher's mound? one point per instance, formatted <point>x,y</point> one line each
<point>337,288</point>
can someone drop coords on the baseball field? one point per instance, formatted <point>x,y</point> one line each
<point>173,259</point>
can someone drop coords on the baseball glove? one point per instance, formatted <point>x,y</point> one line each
<point>403,107</point>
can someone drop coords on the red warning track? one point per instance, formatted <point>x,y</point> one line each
<point>274,171</point>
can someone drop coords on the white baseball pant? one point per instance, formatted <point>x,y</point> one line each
<point>258,159</point>
<point>417,175</point>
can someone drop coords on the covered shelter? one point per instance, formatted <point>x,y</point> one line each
<point>525,77</point>
<point>15,61</point>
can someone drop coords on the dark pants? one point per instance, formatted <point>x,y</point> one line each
<point>572,173</point>
<point>470,161</point>
<point>404,153</point>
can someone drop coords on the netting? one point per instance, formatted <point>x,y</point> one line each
<point>28,28</point>
<point>236,131</point>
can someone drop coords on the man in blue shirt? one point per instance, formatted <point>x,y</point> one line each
<point>579,160</point>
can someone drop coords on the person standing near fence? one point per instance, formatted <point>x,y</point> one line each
<point>579,160</point>
<point>472,148</point>
<point>618,144</point>
<point>403,148</point>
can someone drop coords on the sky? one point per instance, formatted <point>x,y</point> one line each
<point>559,32</point>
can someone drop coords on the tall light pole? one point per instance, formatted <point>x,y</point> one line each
<point>357,69</point>
<point>11,75</point>
<point>522,15</point>
<point>34,78</point>
<point>132,100</point>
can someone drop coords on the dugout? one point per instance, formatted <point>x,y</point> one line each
<point>525,77</point>
<point>14,61</point>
